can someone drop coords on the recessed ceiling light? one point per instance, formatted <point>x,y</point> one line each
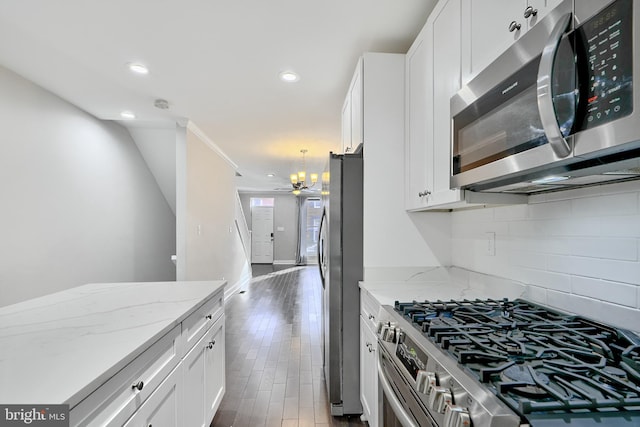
<point>138,68</point>
<point>271,175</point>
<point>289,76</point>
<point>129,115</point>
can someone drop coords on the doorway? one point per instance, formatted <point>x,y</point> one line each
<point>262,230</point>
<point>310,216</point>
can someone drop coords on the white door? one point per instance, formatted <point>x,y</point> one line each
<point>262,234</point>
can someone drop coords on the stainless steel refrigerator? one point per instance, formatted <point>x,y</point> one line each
<point>340,261</point>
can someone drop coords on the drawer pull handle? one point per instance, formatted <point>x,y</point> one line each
<point>209,317</point>
<point>211,344</point>
<point>138,386</point>
<point>514,26</point>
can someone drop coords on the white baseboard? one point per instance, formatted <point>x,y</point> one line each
<point>284,262</point>
<point>237,287</point>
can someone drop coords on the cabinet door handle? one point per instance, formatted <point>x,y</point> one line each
<point>514,26</point>
<point>209,317</point>
<point>530,11</point>
<point>424,193</point>
<point>138,386</point>
<point>211,344</point>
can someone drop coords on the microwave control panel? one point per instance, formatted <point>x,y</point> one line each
<point>606,89</point>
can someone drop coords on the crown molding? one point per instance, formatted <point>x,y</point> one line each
<point>204,138</point>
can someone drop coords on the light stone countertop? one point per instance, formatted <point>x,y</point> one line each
<point>442,284</point>
<point>58,348</point>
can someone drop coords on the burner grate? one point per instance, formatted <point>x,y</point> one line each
<point>533,358</point>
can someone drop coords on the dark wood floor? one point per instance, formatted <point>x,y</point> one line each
<point>274,353</point>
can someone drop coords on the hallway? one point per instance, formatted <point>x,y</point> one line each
<point>274,353</point>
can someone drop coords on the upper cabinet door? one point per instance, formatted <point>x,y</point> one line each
<point>487,32</point>
<point>419,121</point>
<point>446,82</point>
<point>540,9</point>
<point>489,27</point>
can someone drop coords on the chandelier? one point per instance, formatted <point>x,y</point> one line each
<point>298,180</point>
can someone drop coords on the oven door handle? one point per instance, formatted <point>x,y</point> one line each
<point>403,416</point>
<point>544,84</point>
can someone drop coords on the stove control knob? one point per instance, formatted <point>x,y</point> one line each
<point>424,381</point>
<point>439,398</point>
<point>455,416</point>
<point>388,333</point>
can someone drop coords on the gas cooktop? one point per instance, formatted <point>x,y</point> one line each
<point>540,362</point>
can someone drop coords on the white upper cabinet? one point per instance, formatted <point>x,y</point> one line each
<point>489,27</point>
<point>433,74</point>
<point>419,121</point>
<point>353,112</point>
<point>446,82</point>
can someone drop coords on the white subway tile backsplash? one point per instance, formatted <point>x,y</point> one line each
<point>547,279</point>
<point>617,271</point>
<point>610,248</point>
<point>614,204</point>
<point>548,245</point>
<point>526,259</point>
<point>510,213</point>
<point>621,226</point>
<point>572,226</point>
<point>527,228</point>
<point>559,209</point>
<point>618,293</point>
<point>537,294</point>
<point>578,250</point>
<point>623,317</point>
<point>561,264</point>
<point>562,301</point>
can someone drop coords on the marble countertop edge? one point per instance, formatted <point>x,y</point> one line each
<point>97,328</point>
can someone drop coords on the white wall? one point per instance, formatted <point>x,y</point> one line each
<point>578,250</point>
<point>212,249</point>
<point>393,239</point>
<point>79,204</point>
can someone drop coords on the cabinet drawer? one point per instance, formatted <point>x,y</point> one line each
<point>195,326</point>
<point>162,408</point>
<point>117,399</point>
<point>369,308</point>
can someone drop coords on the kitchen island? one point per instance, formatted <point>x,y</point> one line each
<point>104,349</point>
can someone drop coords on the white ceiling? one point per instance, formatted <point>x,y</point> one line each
<point>216,62</point>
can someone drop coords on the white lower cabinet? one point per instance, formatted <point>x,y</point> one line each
<point>368,374</point>
<point>214,370</point>
<point>369,359</point>
<point>203,377</point>
<point>162,408</point>
<point>172,383</point>
<point>116,400</point>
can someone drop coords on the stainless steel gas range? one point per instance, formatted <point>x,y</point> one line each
<point>504,363</point>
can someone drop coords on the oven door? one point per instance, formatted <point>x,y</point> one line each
<point>400,406</point>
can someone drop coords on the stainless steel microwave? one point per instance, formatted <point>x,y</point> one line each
<point>558,109</point>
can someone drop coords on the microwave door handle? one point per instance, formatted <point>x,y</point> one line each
<point>545,100</point>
